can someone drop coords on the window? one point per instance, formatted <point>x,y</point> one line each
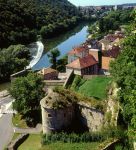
<point>64,115</point>
<point>49,115</point>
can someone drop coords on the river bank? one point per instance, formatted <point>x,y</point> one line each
<point>64,43</point>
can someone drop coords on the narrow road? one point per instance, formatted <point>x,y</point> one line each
<point>6,127</point>
<point>5,100</point>
<point>6,130</point>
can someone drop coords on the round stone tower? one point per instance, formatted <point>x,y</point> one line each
<point>57,112</point>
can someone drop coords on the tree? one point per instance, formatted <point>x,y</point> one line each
<point>13,59</point>
<point>61,64</point>
<point>27,91</point>
<point>123,71</point>
<point>53,57</point>
<point>21,21</point>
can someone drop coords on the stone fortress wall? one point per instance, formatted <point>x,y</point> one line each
<point>58,119</point>
<point>90,117</point>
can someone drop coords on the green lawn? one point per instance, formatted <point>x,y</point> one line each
<point>33,142</point>
<point>95,87</point>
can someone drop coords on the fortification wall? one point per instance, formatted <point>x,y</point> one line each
<point>57,119</point>
<point>89,116</point>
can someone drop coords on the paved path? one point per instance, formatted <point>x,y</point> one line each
<point>36,130</point>
<point>5,100</point>
<point>6,130</point>
<point>6,127</point>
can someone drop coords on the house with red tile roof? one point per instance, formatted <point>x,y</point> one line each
<point>106,65</point>
<point>78,52</point>
<point>49,74</point>
<point>83,66</point>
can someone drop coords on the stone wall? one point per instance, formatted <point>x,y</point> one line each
<point>17,142</point>
<point>57,119</point>
<point>21,73</point>
<point>90,117</point>
<point>76,71</point>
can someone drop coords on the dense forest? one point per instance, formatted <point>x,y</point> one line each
<point>22,20</point>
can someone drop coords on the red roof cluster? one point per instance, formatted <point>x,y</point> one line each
<point>83,62</point>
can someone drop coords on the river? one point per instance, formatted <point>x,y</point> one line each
<point>64,43</point>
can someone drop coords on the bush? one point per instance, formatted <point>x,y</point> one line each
<point>85,137</point>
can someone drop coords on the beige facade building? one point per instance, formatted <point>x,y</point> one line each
<point>49,74</point>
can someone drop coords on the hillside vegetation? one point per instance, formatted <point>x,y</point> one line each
<point>21,21</point>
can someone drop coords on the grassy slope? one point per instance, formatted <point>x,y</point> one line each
<point>33,142</point>
<point>95,87</point>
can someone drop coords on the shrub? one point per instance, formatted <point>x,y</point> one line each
<point>85,137</point>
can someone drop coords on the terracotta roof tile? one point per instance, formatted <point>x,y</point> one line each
<point>83,62</point>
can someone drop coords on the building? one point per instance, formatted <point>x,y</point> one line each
<point>95,53</point>
<point>113,52</point>
<point>93,44</point>
<point>83,66</point>
<point>105,65</point>
<point>49,74</point>
<point>113,37</point>
<point>105,44</point>
<point>78,52</point>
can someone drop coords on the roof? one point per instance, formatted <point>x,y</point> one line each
<point>78,50</point>
<point>83,62</point>
<point>104,41</point>
<point>45,71</point>
<point>106,62</point>
<point>113,52</point>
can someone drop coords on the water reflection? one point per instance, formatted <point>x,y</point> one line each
<point>64,43</point>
